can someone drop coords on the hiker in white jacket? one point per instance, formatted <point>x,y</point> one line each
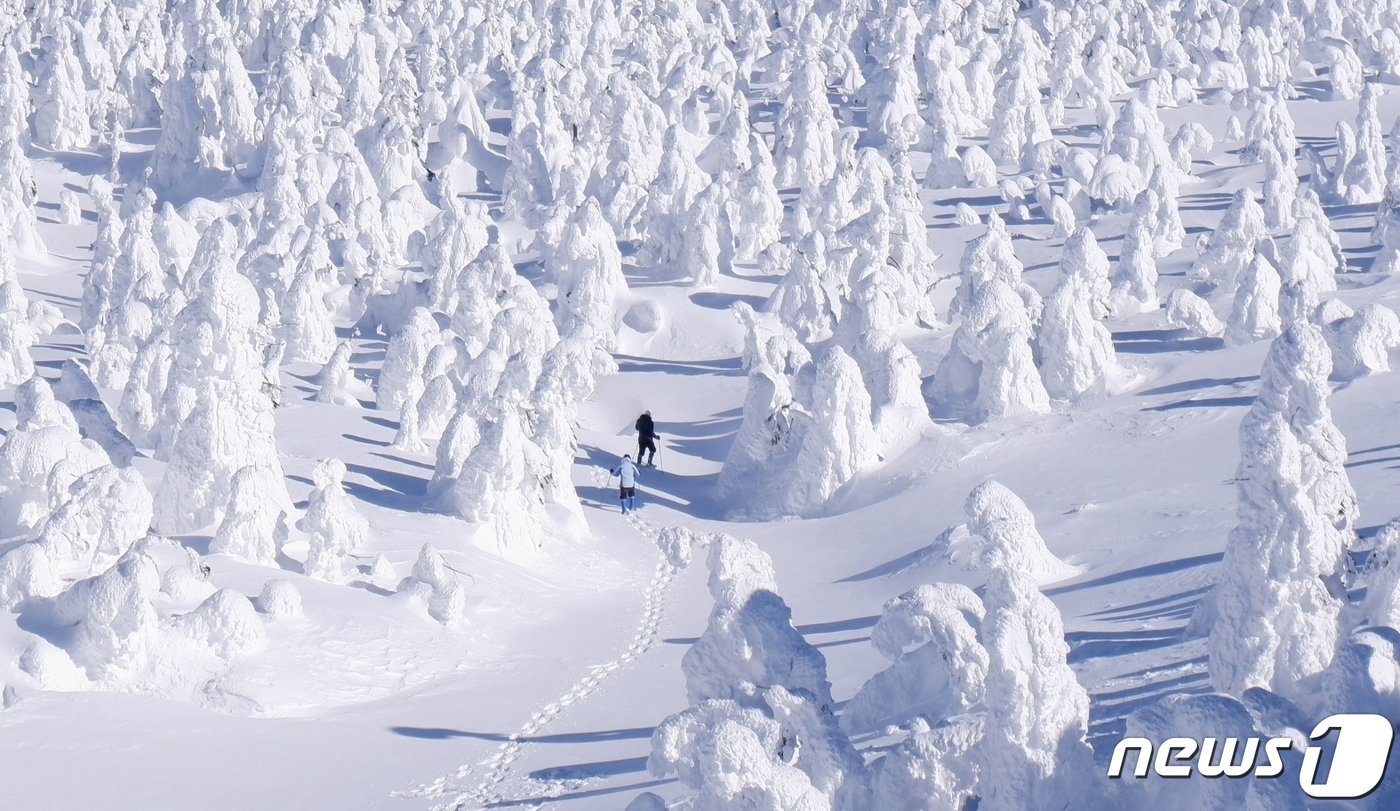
<point>627,493</point>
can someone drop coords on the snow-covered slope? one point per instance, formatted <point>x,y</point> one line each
<point>1021,372</point>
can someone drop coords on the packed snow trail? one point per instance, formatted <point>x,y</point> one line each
<point>496,768</point>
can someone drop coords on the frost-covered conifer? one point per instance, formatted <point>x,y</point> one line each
<point>989,371</point>
<point>671,198</point>
<point>754,209</point>
<point>1134,283</point>
<point>1169,232</point>
<point>567,377</point>
<point>62,120</point>
<point>209,120</point>
<point>766,431</point>
<point>41,458</point>
<point>336,378</point>
<point>892,376</point>
<point>1019,121</point>
<point>839,439</point>
<point>805,134</point>
<point>1075,348</point>
<point>439,398</point>
<point>1311,261</point>
<point>229,427</point>
<point>749,639</point>
<point>1000,533</point>
<point>436,586</point>
<point>1361,342</point>
<point>938,665</point>
<point>117,627</point>
<point>1381,605</point>
<point>1255,313</point>
<point>1280,188</point>
<point>255,522</point>
<point>104,512</point>
<point>455,252</point>
<point>1363,177</point>
<point>333,525</point>
<point>1190,312</point>
<point>17,219</point>
<point>1137,140</point>
<point>400,376</point>
<point>991,256</point>
<point>225,623</point>
<point>17,336</point>
<point>1232,245</point>
<point>700,255</point>
<point>307,327</point>
<point>804,298</point>
<point>978,167</point>
<point>726,754</point>
<point>892,91</point>
<point>1279,596</point>
<point>587,268</point>
<point>1034,749</point>
<point>26,572</point>
<point>1191,139</point>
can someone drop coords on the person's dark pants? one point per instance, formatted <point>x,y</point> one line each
<point>645,444</point>
<point>628,497</point>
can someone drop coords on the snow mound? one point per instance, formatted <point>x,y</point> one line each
<point>279,599</point>
<point>226,622</point>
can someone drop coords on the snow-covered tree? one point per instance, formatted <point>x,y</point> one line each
<point>332,523</point>
<point>62,120</point>
<point>1134,283</point>
<point>818,445</point>
<point>1363,177</point>
<point>1255,314</point>
<point>938,664</point>
<point>106,510</point>
<point>805,133</point>
<point>989,370</point>
<point>1034,749</point>
<point>1311,260</point>
<point>336,378</point>
<point>256,518</point>
<point>587,268</point>
<point>759,692</point>
<point>1075,348</point>
<point>27,572</point>
<point>307,327</point>
<point>1231,246</point>
<point>1279,596</point>
<point>1188,311</point>
<point>436,586</point>
<point>400,376</point>
<point>117,627</point>
<point>1361,342</point>
<point>41,459</point>
<point>229,428</point>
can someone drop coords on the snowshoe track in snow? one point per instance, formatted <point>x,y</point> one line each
<point>496,768</point>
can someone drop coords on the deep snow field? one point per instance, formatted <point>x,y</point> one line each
<point>528,661</point>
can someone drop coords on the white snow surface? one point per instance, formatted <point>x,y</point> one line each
<point>1022,373</point>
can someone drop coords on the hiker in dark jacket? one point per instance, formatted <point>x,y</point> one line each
<point>646,439</point>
